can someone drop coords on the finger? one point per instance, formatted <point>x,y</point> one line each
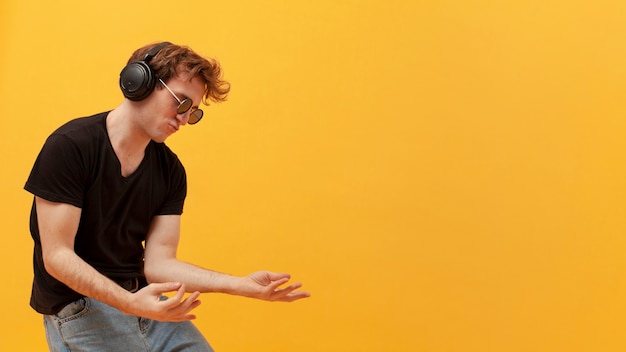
<point>285,291</point>
<point>193,296</point>
<point>289,294</point>
<point>293,296</point>
<point>275,284</point>
<point>188,317</point>
<point>179,294</point>
<point>162,287</point>
<point>278,276</point>
<point>187,305</point>
<point>191,302</point>
<point>290,288</point>
<point>172,302</point>
<point>180,317</point>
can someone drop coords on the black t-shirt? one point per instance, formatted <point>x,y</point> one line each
<point>77,165</point>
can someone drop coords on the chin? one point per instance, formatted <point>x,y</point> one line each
<point>159,139</point>
<point>161,136</point>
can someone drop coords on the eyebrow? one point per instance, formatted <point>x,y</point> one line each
<point>184,96</point>
<point>178,95</point>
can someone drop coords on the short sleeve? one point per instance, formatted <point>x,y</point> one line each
<point>178,191</point>
<point>58,174</point>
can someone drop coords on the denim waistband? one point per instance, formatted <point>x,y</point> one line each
<point>132,285</point>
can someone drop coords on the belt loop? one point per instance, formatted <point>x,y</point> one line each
<point>135,287</point>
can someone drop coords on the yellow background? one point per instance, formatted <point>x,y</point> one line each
<point>441,175</point>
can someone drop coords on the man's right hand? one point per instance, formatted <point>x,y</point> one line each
<point>149,303</point>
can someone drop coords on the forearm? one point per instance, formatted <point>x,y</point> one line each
<point>260,285</point>
<point>195,278</point>
<point>67,267</point>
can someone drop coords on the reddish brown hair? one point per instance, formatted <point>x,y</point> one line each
<point>173,60</point>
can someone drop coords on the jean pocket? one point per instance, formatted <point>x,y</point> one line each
<point>73,310</point>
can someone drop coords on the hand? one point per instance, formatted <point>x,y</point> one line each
<point>148,303</point>
<point>265,285</point>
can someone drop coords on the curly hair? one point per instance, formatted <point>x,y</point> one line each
<point>173,60</point>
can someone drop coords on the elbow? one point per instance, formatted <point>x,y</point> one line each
<point>151,272</point>
<point>159,270</point>
<point>149,275</point>
<point>52,263</point>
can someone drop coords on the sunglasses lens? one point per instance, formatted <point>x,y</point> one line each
<point>184,106</point>
<point>195,116</point>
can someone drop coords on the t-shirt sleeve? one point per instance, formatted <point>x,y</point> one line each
<point>58,174</point>
<point>178,191</point>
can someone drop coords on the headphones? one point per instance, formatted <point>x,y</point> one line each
<point>137,80</point>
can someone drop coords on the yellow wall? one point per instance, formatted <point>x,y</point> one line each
<point>441,175</point>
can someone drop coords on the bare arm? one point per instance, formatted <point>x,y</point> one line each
<point>162,265</point>
<point>58,224</point>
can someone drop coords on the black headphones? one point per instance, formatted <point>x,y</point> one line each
<point>137,80</point>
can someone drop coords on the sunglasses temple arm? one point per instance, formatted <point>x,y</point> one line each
<point>169,90</point>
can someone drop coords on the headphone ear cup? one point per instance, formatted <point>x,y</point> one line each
<point>137,81</point>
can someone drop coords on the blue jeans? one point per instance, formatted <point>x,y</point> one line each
<point>90,325</point>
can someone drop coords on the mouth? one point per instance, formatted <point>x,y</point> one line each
<point>174,127</point>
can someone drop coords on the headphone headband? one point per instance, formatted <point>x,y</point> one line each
<point>155,50</point>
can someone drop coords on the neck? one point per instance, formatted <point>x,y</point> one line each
<point>123,128</point>
<point>129,141</point>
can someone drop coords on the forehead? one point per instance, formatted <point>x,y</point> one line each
<point>192,88</point>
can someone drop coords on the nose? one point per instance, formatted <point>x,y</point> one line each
<point>183,118</point>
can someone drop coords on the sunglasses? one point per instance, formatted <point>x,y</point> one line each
<point>184,106</point>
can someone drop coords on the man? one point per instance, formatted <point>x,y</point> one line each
<point>105,220</point>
